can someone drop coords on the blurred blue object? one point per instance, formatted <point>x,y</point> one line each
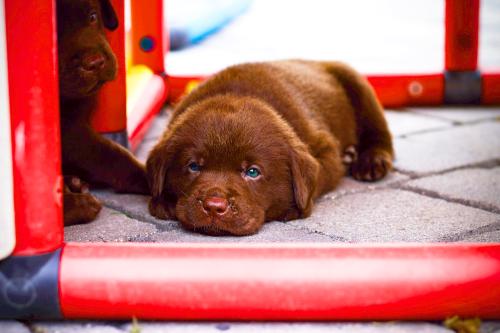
<point>190,21</point>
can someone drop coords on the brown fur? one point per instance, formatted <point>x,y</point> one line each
<point>294,120</point>
<point>86,62</point>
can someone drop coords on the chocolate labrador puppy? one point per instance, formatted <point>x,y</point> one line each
<point>261,141</point>
<point>86,62</point>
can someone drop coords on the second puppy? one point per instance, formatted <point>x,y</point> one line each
<point>86,62</point>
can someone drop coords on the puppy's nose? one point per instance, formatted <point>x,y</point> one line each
<point>93,62</point>
<point>215,206</point>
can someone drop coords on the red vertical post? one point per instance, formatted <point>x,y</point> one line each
<point>149,48</point>
<point>462,35</point>
<point>111,114</point>
<point>34,105</point>
<point>149,34</point>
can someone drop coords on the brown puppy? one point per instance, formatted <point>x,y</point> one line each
<point>260,142</point>
<point>86,62</point>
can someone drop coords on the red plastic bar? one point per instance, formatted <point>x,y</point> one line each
<point>34,104</point>
<point>404,90</point>
<point>461,35</point>
<point>491,88</point>
<point>111,113</point>
<point>149,34</point>
<point>177,85</point>
<point>140,118</point>
<point>279,282</point>
<point>392,90</point>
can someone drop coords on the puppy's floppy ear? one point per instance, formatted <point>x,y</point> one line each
<point>108,15</point>
<point>157,165</point>
<point>162,203</point>
<point>305,172</point>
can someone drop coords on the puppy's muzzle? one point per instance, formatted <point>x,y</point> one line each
<point>93,62</point>
<point>215,206</point>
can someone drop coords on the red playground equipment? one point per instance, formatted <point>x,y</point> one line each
<point>41,276</point>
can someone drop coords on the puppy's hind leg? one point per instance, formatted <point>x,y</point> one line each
<point>375,151</point>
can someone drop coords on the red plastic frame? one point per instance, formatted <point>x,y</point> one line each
<point>280,282</point>
<point>192,281</point>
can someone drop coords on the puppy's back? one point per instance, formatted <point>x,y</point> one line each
<point>305,93</point>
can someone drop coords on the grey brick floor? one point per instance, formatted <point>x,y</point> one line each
<point>446,188</point>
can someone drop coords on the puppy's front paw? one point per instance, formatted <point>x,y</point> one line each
<point>159,209</point>
<point>80,208</point>
<point>75,185</point>
<point>372,165</point>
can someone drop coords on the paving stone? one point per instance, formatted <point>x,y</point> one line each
<point>476,186</point>
<point>487,233</point>
<point>405,122</point>
<point>490,327</point>
<point>74,327</point>
<point>385,327</point>
<point>460,115</point>
<point>483,237</point>
<point>393,215</point>
<point>270,232</point>
<point>133,205</point>
<point>12,326</point>
<point>349,185</point>
<point>443,150</point>
<point>110,226</point>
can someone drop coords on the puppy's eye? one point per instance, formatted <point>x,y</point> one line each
<point>194,167</point>
<point>252,172</point>
<point>93,17</point>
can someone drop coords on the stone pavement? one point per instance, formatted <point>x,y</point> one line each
<point>445,188</point>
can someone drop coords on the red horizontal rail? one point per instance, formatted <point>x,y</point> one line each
<point>404,90</point>
<point>279,282</point>
<point>491,88</point>
<point>392,90</point>
<point>177,85</point>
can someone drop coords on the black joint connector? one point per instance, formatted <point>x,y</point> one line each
<point>462,87</point>
<point>119,137</point>
<point>29,287</point>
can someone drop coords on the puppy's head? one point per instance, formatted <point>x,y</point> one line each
<point>86,60</point>
<point>228,164</point>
